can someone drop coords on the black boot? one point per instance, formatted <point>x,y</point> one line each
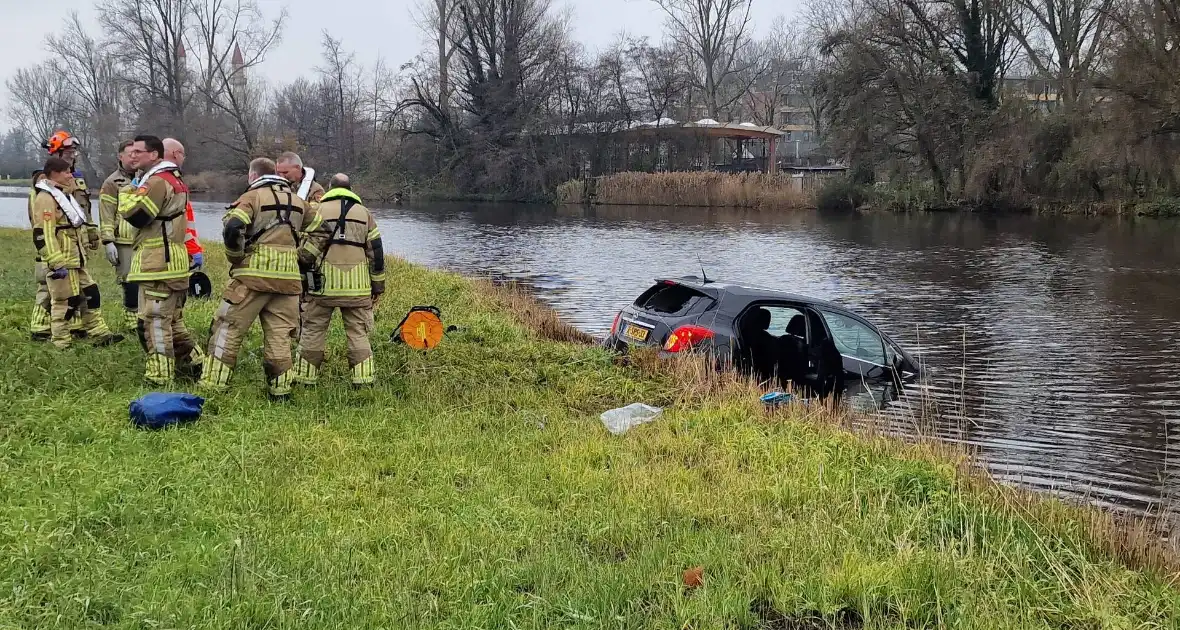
<point>41,336</point>
<point>190,371</point>
<point>111,340</point>
<point>279,398</point>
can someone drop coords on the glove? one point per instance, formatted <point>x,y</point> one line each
<point>58,274</point>
<point>199,259</point>
<point>112,254</point>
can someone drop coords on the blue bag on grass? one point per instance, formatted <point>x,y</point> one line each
<point>159,410</point>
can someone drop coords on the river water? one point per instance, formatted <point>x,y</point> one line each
<point>1053,343</point>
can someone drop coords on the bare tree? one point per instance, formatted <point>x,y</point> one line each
<point>148,39</point>
<point>42,100</point>
<point>340,81</point>
<point>663,77</point>
<point>777,61</point>
<point>437,19</point>
<point>1143,70</point>
<point>229,38</point>
<point>714,32</point>
<point>1063,39</point>
<point>966,38</point>
<point>90,70</point>
<point>380,102</point>
<point>613,71</point>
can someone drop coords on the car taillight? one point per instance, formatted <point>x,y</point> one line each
<point>614,328</point>
<point>686,337</point>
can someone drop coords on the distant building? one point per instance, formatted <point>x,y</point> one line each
<point>1038,93</point>
<point>237,67</point>
<point>795,117</point>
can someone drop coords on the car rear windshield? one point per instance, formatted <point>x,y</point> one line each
<point>669,299</point>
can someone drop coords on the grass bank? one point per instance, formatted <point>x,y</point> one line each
<point>19,183</point>
<point>739,190</point>
<point>475,487</point>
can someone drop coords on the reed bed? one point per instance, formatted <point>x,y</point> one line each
<point>777,191</point>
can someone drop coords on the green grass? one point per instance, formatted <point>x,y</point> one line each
<point>20,183</point>
<point>474,487</point>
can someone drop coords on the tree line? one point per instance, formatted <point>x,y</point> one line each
<point>916,96</point>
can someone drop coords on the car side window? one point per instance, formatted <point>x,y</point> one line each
<point>781,318</point>
<point>855,339</point>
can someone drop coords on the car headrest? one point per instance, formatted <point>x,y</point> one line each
<point>797,326</point>
<point>760,319</point>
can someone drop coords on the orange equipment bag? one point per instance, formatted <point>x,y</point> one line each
<point>421,329</point>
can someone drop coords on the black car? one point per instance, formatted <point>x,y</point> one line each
<point>816,346</point>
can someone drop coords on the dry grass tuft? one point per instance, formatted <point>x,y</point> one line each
<point>742,190</point>
<point>531,312</point>
<point>1137,541</point>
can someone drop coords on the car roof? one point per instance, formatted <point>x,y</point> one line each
<point>749,292</point>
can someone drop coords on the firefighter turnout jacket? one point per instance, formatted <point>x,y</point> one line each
<point>262,231</point>
<point>115,229</point>
<point>60,241</point>
<point>156,209</point>
<point>345,250</point>
<point>81,193</point>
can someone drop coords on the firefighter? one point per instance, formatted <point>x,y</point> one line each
<point>174,152</point>
<point>290,167</point>
<point>65,146</point>
<point>262,231</point>
<point>118,236</point>
<point>60,236</point>
<point>347,261</point>
<point>160,265</point>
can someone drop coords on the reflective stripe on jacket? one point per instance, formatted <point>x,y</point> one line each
<point>59,244</point>
<point>157,209</point>
<point>262,232</point>
<point>115,229</point>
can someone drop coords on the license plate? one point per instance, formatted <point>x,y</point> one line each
<point>638,333</point>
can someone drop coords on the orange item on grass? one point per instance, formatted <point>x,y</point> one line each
<point>422,328</point>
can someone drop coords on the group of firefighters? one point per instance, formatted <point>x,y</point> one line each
<point>297,253</point>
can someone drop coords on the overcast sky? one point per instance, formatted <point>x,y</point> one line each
<point>371,28</point>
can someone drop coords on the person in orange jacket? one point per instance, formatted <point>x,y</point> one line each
<point>174,152</point>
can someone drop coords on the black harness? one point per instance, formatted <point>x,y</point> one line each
<point>337,235</point>
<point>283,212</point>
<point>315,282</point>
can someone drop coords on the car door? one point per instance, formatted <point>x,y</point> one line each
<point>777,344</point>
<point>825,369</point>
<point>862,348</point>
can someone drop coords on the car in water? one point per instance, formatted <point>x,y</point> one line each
<point>781,339</point>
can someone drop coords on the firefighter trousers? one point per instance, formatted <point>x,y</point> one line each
<point>313,340</point>
<point>39,319</point>
<point>165,339</point>
<point>279,315</point>
<point>75,298</point>
<point>130,290</point>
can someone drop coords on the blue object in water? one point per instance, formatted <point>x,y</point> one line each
<point>776,398</point>
<point>159,410</point>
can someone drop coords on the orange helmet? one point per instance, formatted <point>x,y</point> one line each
<point>60,141</point>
